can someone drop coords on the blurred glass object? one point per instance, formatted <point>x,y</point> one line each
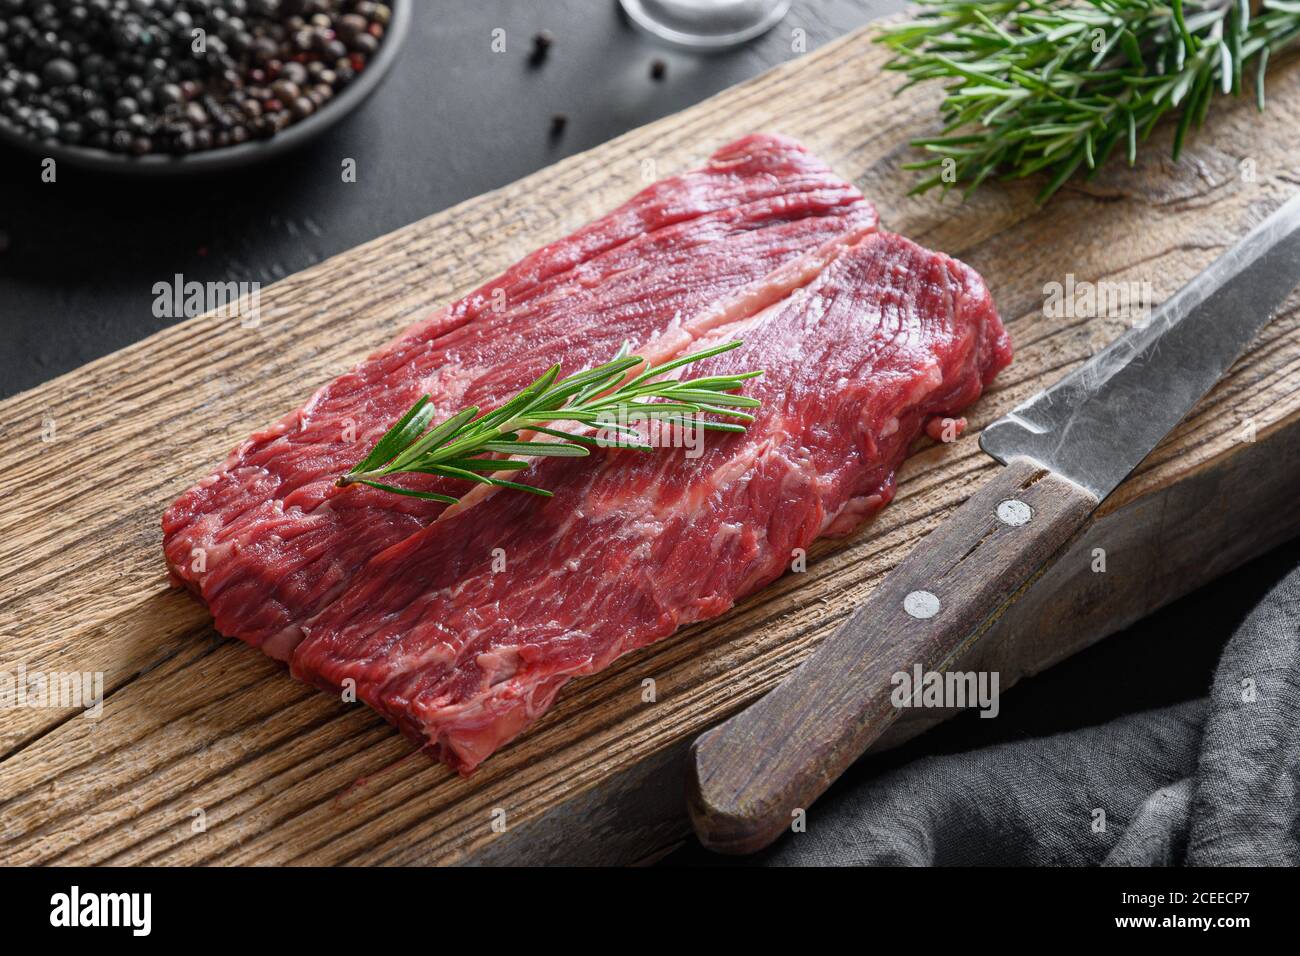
<point>706,24</point>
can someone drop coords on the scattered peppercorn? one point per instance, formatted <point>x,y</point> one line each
<point>131,76</point>
<point>558,122</point>
<point>542,43</point>
<point>658,70</point>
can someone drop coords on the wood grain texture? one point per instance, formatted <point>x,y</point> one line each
<point>208,752</point>
<point>749,775</point>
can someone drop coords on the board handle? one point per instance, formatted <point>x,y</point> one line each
<point>750,776</point>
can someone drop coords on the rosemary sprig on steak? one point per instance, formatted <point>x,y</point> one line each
<point>1055,85</point>
<point>456,448</point>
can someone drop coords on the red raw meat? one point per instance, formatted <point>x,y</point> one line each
<point>267,540</point>
<point>866,340</point>
<point>858,354</point>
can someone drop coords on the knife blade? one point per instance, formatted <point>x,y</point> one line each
<point>1083,426</point>
<point>1063,452</point>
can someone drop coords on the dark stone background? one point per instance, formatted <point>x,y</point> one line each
<point>78,259</point>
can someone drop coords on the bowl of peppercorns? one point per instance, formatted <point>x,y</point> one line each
<point>184,85</point>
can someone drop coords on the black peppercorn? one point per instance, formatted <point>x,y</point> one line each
<point>542,43</point>
<point>350,26</point>
<point>138,76</point>
<point>59,72</point>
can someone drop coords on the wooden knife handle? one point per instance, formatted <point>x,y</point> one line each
<point>748,777</point>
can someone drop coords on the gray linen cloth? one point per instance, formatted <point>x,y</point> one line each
<point>1212,782</point>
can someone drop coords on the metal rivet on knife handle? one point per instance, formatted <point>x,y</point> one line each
<point>921,604</point>
<point>1014,512</point>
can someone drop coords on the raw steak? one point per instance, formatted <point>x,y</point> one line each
<point>859,354</point>
<point>267,540</point>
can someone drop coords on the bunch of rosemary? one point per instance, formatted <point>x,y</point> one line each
<point>1053,85</point>
<point>454,448</point>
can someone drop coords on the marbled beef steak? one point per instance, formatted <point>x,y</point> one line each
<point>462,656</point>
<point>277,541</point>
<point>864,337</point>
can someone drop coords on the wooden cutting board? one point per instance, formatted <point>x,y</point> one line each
<point>207,752</point>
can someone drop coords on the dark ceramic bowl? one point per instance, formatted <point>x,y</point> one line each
<point>244,154</point>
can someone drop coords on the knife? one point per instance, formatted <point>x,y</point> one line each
<point>1063,452</point>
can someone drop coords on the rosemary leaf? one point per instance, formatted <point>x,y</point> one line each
<point>539,449</point>
<point>592,398</point>
<point>1054,85</point>
<point>411,424</point>
<point>431,496</point>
